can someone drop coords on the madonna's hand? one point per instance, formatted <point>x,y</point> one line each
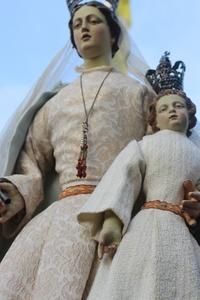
<point>191,204</point>
<point>7,211</point>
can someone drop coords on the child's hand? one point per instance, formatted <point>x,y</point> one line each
<point>110,235</point>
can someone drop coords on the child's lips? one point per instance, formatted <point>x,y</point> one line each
<point>173,117</point>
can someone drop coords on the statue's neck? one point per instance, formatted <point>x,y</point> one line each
<point>97,62</point>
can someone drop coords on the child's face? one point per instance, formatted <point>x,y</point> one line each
<point>172,113</point>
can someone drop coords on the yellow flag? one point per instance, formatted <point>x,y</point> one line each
<point>124,11</point>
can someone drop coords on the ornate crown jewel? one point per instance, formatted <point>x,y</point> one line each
<point>166,77</point>
<point>111,4</point>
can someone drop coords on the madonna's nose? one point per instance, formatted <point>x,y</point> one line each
<point>84,26</point>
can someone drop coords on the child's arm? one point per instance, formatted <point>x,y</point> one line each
<point>110,235</point>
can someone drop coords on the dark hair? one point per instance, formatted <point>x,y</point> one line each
<point>189,104</point>
<point>111,19</point>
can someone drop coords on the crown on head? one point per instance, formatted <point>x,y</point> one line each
<point>110,4</point>
<point>166,77</point>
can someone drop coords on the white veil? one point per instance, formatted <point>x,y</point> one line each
<point>59,72</point>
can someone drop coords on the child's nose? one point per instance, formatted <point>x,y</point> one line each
<point>172,109</point>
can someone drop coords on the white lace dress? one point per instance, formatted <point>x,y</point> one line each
<point>51,258</point>
<point>157,258</point>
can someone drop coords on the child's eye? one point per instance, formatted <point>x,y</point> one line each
<point>162,109</point>
<point>180,106</point>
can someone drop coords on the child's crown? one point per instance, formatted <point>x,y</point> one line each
<point>166,77</point>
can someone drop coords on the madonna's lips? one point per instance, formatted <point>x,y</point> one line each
<point>85,36</point>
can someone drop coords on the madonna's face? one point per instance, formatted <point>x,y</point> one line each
<point>172,113</point>
<point>91,32</point>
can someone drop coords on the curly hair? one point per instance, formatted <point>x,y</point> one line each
<point>111,20</point>
<point>189,104</point>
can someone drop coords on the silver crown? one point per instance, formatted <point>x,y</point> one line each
<point>110,4</point>
<point>165,76</point>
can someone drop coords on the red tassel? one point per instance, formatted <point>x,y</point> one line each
<point>81,166</point>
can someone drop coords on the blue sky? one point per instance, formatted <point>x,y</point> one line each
<point>33,31</point>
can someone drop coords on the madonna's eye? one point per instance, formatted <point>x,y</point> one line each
<point>76,25</point>
<point>94,20</point>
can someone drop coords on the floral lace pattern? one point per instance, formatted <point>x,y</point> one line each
<point>52,257</point>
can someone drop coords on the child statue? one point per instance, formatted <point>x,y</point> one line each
<point>157,257</point>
